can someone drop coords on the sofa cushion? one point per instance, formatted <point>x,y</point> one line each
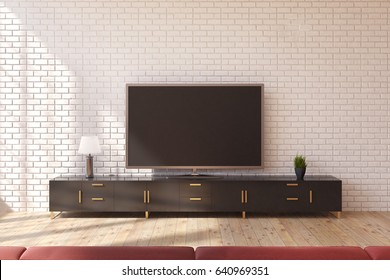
<point>11,252</point>
<point>281,253</point>
<point>378,252</point>
<point>109,253</point>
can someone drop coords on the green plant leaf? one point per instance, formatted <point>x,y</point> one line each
<point>300,161</point>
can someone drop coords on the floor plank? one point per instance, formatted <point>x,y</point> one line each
<point>214,232</point>
<point>226,232</point>
<point>170,232</point>
<point>298,231</point>
<point>181,231</point>
<point>265,232</point>
<point>318,232</point>
<point>282,232</point>
<point>237,232</point>
<point>192,232</point>
<point>123,231</point>
<point>191,229</point>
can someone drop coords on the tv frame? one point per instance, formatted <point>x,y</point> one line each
<point>193,167</point>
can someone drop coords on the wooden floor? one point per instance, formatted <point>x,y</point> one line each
<point>354,228</point>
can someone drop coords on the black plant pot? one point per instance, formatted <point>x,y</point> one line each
<point>300,172</point>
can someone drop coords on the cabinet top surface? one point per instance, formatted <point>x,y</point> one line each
<point>307,178</point>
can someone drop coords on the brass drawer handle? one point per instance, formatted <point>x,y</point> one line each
<point>195,185</point>
<point>97,185</point>
<point>97,198</point>
<point>244,196</point>
<point>311,196</point>
<point>145,197</point>
<point>148,196</point>
<point>195,198</point>
<point>80,197</point>
<point>292,198</point>
<point>292,185</point>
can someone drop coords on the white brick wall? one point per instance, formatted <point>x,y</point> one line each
<point>325,66</point>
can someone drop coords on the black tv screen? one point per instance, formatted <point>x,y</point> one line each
<point>194,126</point>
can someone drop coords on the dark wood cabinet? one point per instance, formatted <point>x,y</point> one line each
<point>324,196</point>
<point>146,196</point>
<point>65,195</point>
<point>195,196</point>
<point>163,196</point>
<point>261,196</point>
<point>228,196</point>
<point>195,189</point>
<point>98,196</point>
<point>291,196</point>
<point>257,194</point>
<point>130,196</point>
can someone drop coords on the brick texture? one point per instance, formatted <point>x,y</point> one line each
<point>325,65</point>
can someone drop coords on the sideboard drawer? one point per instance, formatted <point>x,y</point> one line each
<point>195,189</point>
<point>98,196</point>
<point>195,204</point>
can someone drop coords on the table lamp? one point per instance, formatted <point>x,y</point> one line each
<point>89,145</point>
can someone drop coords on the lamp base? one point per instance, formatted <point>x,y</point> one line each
<point>89,166</point>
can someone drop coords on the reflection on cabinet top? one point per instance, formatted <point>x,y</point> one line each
<point>181,178</point>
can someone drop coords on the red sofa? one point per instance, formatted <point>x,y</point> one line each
<point>378,252</point>
<point>189,253</point>
<point>11,252</point>
<point>109,253</point>
<point>281,253</point>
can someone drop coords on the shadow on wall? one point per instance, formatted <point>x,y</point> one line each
<point>4,208</point>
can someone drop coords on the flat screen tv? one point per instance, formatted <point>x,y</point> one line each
<point>194,126</point>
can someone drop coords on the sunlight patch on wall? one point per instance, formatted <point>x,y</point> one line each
<point>37,115</point>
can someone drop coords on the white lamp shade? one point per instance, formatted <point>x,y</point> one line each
<point>89,145</point>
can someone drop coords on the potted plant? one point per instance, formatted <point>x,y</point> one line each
<point>300,166</point>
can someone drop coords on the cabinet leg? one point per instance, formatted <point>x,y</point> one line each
<point>243,214</point>
<point>146,214</point>
<point>53,215</point>
<point>337,214</point>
